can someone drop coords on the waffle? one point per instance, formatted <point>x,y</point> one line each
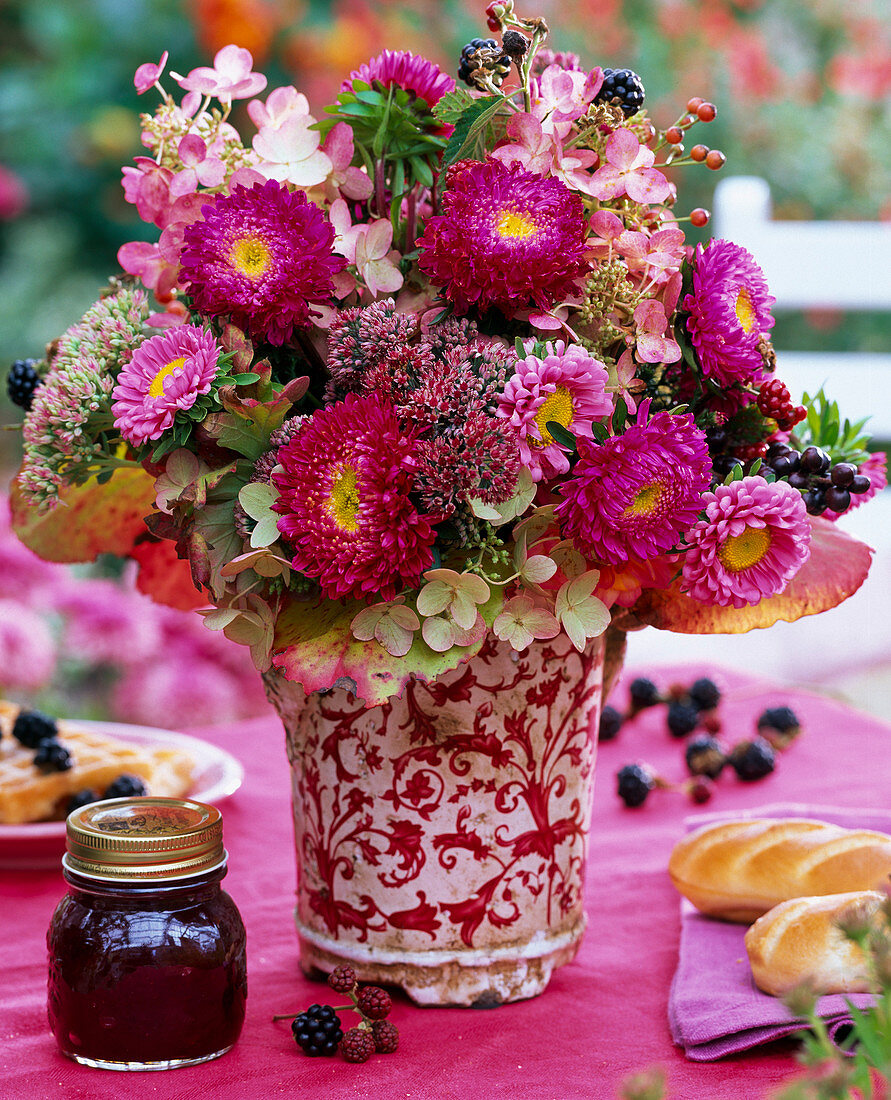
<point>29,794</point>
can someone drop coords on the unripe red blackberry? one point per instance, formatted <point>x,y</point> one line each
<point>342,979</point>
<point>357,1045</point>
<point>386,1036</point>
<point>374,1002</point>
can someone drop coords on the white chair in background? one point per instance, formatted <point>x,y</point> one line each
<point>818,265</point>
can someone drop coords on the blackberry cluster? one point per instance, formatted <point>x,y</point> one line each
<point>623,87</point>
<point>486,54</point>
<point>35,730</point>
<point>318,1030</point>
<point>22,381</point>
<point>705,758</point>
<point>124,786</point>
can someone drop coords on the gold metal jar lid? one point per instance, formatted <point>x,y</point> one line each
<point>144,838</point>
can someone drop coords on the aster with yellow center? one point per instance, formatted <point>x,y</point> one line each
<point>345,480</point>
<point>753,540</point>
<point>262,255</point>
<point>165,376</point>
<point>506,237</point>
<point>633,495</point>
<point>564,386</point>
<point>728,312</point>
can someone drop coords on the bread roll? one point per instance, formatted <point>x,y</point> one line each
<point>799,940</point>
<point>738,870</point>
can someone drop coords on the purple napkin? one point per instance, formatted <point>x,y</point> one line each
<point>714,1008</point>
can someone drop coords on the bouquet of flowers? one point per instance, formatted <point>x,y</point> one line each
<point>437,366</point>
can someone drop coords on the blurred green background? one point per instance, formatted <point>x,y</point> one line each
<point>803,94</point>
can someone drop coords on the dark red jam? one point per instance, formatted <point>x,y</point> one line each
<point>146,974</point>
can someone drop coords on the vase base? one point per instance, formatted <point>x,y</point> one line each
<point>468,979</point>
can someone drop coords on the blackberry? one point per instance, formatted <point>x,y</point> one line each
<point>705,756</point>
<point>610,724</point>
<point>33,726</point>
<point>374,1002</point>
<point>125,786</point>
<point>704,694</point>
<point>752,759</point>
<point>385,1035</point>
<point>317,1031</point>
<point>644,693</point>
<point>342,979</point>
<point>496,64</point>
<point>81,798</point>
<point>624,85</point>
<point>682,718</point>
<point>633,783</point>
<point>357,1045</point>
<point>779,726</point>
<point>514,44</point>
<point>52,756</point>
<point>22,381</point>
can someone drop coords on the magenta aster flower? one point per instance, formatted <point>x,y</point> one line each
<point>506,237</point>
<point>632,495</point>
<point>262,255</point>
<point>753,540</point>
<point>729,311</point>
<point>165,376</point>
<point>407,70</point>
<point>567,387</point>
<point>345,482</point>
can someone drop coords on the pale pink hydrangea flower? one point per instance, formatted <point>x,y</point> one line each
<point>652,345</point>
<point>345,179</point>
<point>560,96</point>
<point>753,540</point>
<point>165,376</point>
<point>199,168</point>
<point>281,104</point>
<point>629,172</point>
<point>367,246</point>
<point>567,387</point>
<point>540,151</point>
<point>230,78</point>
<point>290,153</point>
<point>148,75</point>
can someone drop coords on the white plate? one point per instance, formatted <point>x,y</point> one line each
<point>216,775</point>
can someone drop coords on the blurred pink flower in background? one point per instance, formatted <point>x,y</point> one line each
<point>27,648</point>
<point>13,195</point>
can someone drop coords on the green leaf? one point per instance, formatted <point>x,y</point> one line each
<point>599,431</point>
<point>519,349</point>
<point>620,415</point>
<point>472,122</point>
<point>561,434</point>
<point>452,106</point>
<point>244,379</point>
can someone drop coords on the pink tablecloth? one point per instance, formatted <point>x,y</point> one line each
<point>603,1017</point>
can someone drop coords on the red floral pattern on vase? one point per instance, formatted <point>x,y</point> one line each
<point>441,837</point>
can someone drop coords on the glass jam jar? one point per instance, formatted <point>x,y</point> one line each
<point>146,951</point>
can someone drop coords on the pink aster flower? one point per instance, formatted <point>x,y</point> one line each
<point>230,78</point>
<point>567,387</point>
<point>634,494</point>
<point>729,310</point>
<point>345,483</point>
<point>407,70</point>
<point>165,376</point>
<point>876,469</point>
<point>506,237</point>
<point>27,648</point>
<point>629,171</point>
<point>263,255</point>
<point>753,540</point>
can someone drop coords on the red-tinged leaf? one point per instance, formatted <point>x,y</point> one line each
<point>92,519</point>
<point>166,577</point>
<point>314,646</point>
<point>837,566</point>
